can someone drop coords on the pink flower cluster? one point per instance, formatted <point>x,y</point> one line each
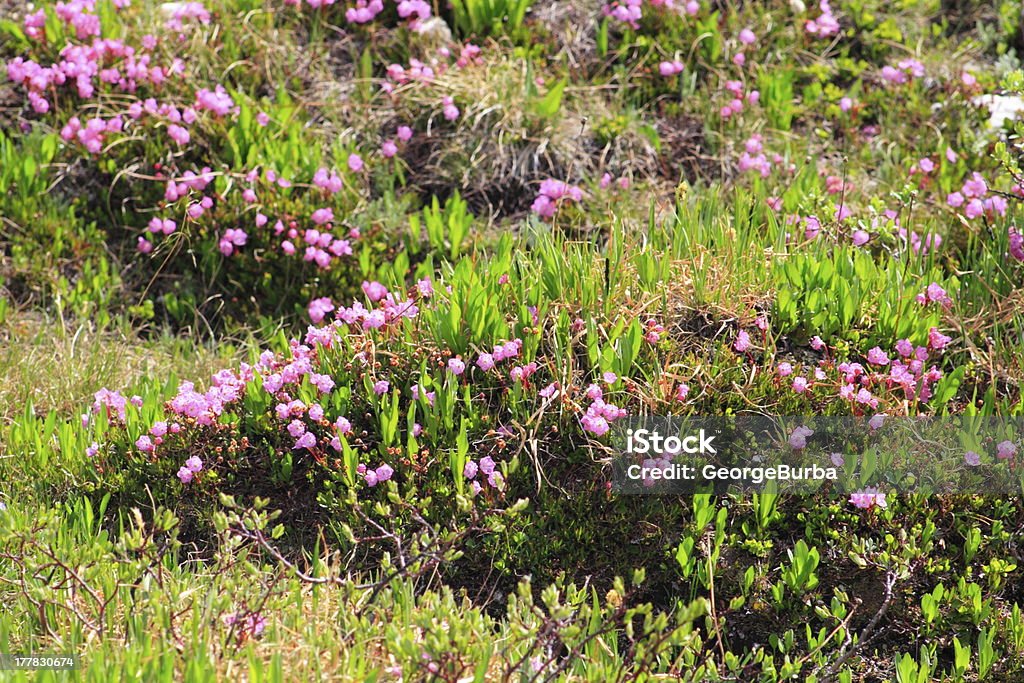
<point>798,437</point>
<point>488,468</point>
<point>974,199</point>
<point>364,12</point>
<point>93,133</point>
<point>181,12</point>
<point>753,157</point>
<point>232,239</point>
<point>934,294</point>
<point>904,71</point>
<point>216,101</point>
<point>825,25</point>
<point>188,471</point>
<point>227,387</point>
<point>734,90</point>
<point>488,361</point>
<point>373,477</point>
<point>107,61</point>
<point>599,414</point>
<point>607,180</point>
<point>388,308</point>
<point>112,402</point>
<point>627,11</point>
<point>553,193</point>
<point>399,75</point>
<point>868,498</point>
<point>671,68</point>
<point>1016,240</point>
<point>630,12</point>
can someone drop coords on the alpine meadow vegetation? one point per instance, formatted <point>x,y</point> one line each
<point>318,319</point>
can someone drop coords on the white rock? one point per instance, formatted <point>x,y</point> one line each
<point>1001,108</point>
<point>435,30</point>
<point>170,9</point>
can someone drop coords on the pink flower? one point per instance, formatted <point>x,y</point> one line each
<point>800,384</point>
<point>975,187</point>
<point>595,424</point>
<point>682,391</point>
<point>972,458</point>
<point>974,209</point>
<point>185,475</point>
<point>178,134</point>
<point>384,472</point>
<point>1016,244</point>
<point>381,387</point>
<point>355,162</point>
<point>552,194</point>
<point>307,440</point>
<point>742,343</point>
<point>319,308</point>
<point>784,369</point>
<point>1006,450</point>
<point>877,356</point>
<point>672,68</point>
<point>935,294</point>
<point>343,425</point>
<point>321,216</point>
<point>470,470</point>
<point>195,464</point>
<point>798,439</point>
<point>937,340</point>
<point>448,108</point>
<point>860,238</point>
<point>374,290</point>
<point>456,366</point>
<point>812,226</point>
<point>868,498</point>
<point>485,362</point>
<point>817,344</point>
<point>486,464</point>
<point>404,133</point>
<point>747,37</point>
<point>233,237</point>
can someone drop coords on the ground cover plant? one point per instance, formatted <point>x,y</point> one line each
<point>318,319</point>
